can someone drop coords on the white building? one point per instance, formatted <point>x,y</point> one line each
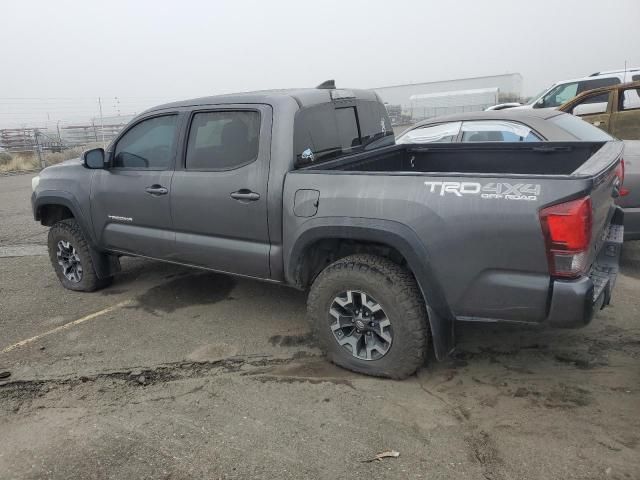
<point>412,102</point>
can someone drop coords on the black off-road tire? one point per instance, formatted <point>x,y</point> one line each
<point>396,291</point>
<point>69,231</point>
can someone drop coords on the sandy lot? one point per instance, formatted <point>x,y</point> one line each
<point>175,373</point>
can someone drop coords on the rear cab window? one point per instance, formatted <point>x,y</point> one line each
<point>329,130</point>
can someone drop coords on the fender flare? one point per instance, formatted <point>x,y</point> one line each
<point>392,234</point>
<point>105,265</point>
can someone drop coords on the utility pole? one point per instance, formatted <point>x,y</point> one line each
<point>101,121</point>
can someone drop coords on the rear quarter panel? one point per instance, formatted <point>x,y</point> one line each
<point>487,254</point>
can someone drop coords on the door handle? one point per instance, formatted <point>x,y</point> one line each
<point>156,190</point>
<point>245,195</point>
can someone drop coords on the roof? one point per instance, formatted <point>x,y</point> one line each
<point>304,97</point>
<point>533,118</point>
<point>507,114</point>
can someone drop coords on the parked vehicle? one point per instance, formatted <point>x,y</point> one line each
<point>614,109</point>
<point>533,126</point>
<point>308,188</point>
<point>630,193</point>
<point>562,91</point>
<point>502,126</point>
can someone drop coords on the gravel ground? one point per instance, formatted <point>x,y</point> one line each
<point>174,373</point>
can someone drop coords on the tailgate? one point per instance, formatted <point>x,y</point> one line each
<point>604,170</point>
<point>607,227</point>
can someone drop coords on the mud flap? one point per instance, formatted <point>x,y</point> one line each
<point>605,269</point>
<point>105,265</point>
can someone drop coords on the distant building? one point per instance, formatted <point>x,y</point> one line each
<point>417,101</point>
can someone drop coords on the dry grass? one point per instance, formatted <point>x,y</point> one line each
<point>18,161</point>
<point>10,162</point>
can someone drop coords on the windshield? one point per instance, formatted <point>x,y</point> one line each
<point>560,94</point>
<point>538,95</point>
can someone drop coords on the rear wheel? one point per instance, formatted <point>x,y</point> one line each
<point>369,316</point>
<point>70,257</point>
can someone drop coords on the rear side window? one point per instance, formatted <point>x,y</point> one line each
<point>630,99</point>
<point>441,133</point>
<point>597,83</point>
<point>147,145</point>
<point>222,140</point>
<point>580,129</point>
<point>328,130</point>
<point>497,131</point>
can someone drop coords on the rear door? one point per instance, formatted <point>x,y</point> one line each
<point>625,122</point>
<point>219,190</point>
<point>130,202</point>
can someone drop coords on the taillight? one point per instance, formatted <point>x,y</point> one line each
<point>567,230</point>
<point>620,174</point>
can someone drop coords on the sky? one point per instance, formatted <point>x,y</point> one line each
<point>59,57</point>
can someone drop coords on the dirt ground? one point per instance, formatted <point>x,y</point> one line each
<point>177,374</point>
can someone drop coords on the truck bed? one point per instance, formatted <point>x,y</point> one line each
<point>549,158</point>
<point>472,213</point>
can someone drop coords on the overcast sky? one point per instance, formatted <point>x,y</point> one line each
<point>59,56</point>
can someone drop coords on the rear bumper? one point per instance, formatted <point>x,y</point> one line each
<point>631,223</point>
<point>575,302</point>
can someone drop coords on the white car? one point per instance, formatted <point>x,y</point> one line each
<point>565,90</point>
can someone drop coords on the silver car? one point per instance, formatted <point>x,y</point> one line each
<point>532,126</point>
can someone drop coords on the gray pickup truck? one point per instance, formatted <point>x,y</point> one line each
<point>395,243</point>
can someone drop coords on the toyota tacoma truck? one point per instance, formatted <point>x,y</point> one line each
<point>394,243</point>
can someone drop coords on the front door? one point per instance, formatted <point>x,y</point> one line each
<point>595,109</point>
<point>219,191</point>
<point>130,202</point>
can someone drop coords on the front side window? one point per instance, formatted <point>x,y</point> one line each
<point>223,140</point>
<point>497,131</point>
<point>147,145</point>
<point>441,133</point>
<point>592,105</point>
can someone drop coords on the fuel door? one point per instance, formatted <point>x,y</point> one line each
<point>305,203</point>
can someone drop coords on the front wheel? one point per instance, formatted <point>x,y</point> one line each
<point>369,316</point>
<point>70,257</point>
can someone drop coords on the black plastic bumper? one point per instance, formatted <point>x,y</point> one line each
<point>575,302</point>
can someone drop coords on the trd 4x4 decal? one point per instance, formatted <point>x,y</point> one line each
<point>506,191</point>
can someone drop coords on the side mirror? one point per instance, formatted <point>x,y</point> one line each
<point>540,103</point>
<point>94,158</point>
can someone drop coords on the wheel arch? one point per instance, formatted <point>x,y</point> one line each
<point>52,207</point>
<point>403,246</point>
